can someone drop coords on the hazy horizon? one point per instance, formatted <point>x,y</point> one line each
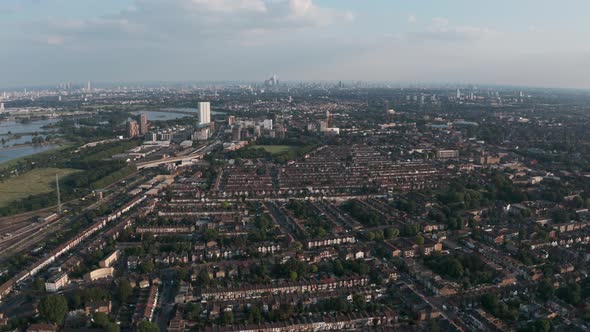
<point>526,43</point>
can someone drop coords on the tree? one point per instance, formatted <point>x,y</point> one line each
<point>571,293</point>
<point>227,318</point>
<point>147,266</point>
<point>542,325</point>
<point>112,327</point>
<point>254,315</point>
<point>100,319</point>
<point>39,284</point>
<point>124,291</point>
<point>203,278</point>
<point>54,308</point>
<point>146,326</point>
<point>358,300</point>
<point>545,290</point>
<point>419,240</point>
<point>193,311</point>
<point>391,233</point>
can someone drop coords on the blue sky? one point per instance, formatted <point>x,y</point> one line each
<point>521,42</point>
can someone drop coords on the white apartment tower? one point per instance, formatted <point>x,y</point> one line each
<point>204,112</point>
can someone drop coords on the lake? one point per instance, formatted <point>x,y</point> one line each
<point>192,110</point>
<point>172,115</point>
<point>16,141</point>
<point>8,152</point>
<point>162,116</point>
<point>23,151</point>
<point>16,127</point>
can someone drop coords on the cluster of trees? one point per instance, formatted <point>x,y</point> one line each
<point>541,325</point>
<point>365,217</point>
<point>467,268</point>
<point>341,304</point>
<point>40,139</point>
<point>406,205</point>
<point>145,326</point>
<point>380,235</point>
<point>94,128</point>
<point>505,311</point>
<point>293,270</point>
<point>573,293</point>
<point>317,227</point>
<point>469,193</point>
<point>54,308</point>
<point>193,311</point>
<point>264,230</point>
<point>102,320</point>
<point>344,268</point>
<point>448,217</point>
<point>249,153</point>
<point>293,154</point>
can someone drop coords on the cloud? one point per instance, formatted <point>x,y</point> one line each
<point>228,6</point>
<point>149,22</point>
<point>55,40</point>
<point>10,8</point>
<point>412,19</point>
<point>440,23</point>
<point>442,29</point>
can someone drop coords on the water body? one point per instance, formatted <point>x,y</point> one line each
<point>16,127</point>
<point>16,141</point>
<point>192,110</point>
<point>8,150</point>
<point>162,116</point>
<point>23,151</point>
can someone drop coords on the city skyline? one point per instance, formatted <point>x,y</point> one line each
<point>529,43</point>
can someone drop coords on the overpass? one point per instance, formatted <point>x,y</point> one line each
<point>189,159</point>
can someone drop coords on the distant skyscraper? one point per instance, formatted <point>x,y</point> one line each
<point>132,129</point>
<point>143,124</point>
<point>458,94</point>
<point>1,107</point>
<point>231,120</point>
<point>204,112</point>
<point>89,86</point>
<point>328,119</point>
<point>274,80</point>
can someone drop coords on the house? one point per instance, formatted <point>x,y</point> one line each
<point>43,327</point>
<point>3,320</point>
<point>99,306</point>
<point>56,282</point>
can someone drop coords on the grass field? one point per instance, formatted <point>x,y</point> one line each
<point>274,149</point>
<point>34,182</point>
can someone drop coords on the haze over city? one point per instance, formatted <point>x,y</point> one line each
<point>527,42</point>
<point>294,165</point>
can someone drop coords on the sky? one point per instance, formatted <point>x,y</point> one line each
<point>507,42</point>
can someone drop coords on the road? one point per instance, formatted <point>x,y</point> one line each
<point>190,158</point>
<point>166,300</point>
